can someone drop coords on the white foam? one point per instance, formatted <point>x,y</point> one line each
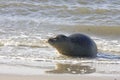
<point>23,41</point>
<point>108,45</point>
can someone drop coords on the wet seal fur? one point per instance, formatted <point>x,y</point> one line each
<point>75,45</point>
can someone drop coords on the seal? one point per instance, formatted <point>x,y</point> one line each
<point>75,45</point>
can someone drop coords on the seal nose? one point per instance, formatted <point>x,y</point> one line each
<point>50,40</point>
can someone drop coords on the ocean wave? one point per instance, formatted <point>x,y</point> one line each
<point>62,12</point>
<point>86,16</point>
<point>25,42</point>
<point>101,30</point>
<point>112,46</point>
<point>33,22</point>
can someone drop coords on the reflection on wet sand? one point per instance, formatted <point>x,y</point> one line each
<point>72,69</point>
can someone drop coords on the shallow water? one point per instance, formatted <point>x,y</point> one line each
<point>25,26</point>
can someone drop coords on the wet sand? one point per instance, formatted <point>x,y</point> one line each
<point>56,77</point>
<point>8,72</point>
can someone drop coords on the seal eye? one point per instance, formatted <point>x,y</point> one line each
<point>61,37</point>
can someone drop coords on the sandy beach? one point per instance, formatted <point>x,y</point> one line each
<point>57,77</point>
<point>26,26</point>
<point>10,72</point>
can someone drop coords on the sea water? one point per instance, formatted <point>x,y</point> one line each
<point>25,26</point>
